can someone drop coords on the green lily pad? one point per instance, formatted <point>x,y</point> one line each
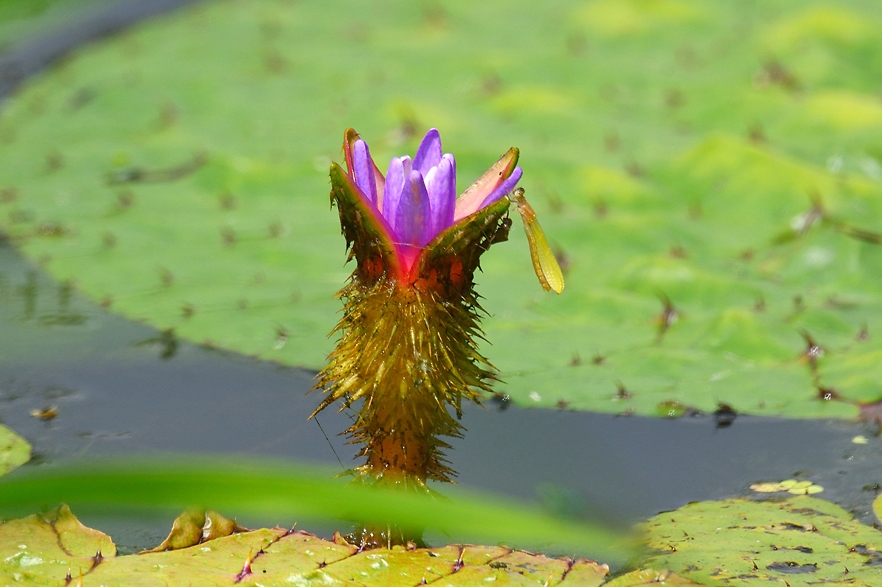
<point>710,177</point>
<point>14,450</point>
<point>54,548</point>
<point>43,548</point>
<point>800,540</point>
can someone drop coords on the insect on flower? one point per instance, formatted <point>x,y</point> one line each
<point>544,262</point>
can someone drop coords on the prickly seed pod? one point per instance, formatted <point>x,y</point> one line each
<point>407,346</point>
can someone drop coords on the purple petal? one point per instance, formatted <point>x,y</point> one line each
<point>364,170</point>
<point>428,154</point>
<point>399,169</point>
<point>412,220</point>
<point>441,186</point>
<point>504,188</point>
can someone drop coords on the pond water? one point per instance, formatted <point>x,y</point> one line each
<point>122,388</point>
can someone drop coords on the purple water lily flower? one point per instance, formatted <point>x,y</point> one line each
<point>417,197</point>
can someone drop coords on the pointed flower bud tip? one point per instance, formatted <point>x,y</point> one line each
<point>417,198</point>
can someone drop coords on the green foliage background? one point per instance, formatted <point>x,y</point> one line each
<point>720,159</point>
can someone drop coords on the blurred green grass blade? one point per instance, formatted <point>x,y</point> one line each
<point>280,488</point>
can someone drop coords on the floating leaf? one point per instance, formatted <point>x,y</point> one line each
<point>709,180</point>
<point>14,450</point>
<point>58,548</point>
<point>790,486</point>
<point>800,540</point>
<point>43,549</point>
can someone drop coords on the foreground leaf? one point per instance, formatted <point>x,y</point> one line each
<point>42,549</point>
<point>59,549</point>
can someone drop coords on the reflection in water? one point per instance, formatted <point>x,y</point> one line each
<point>167,343</point>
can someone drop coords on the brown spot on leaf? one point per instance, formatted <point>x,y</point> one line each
<point>759,305</point>
<point>491,84</point>
<point>775,73</point>
<point>434,14</point>
<point>555,204</point>
<point>863,334</point>
<point>51,229</point>
<point>635,170</point>
<point>227,201</point>
<point>20,216</point>
<point>125,199</point>
<point>54,161</point>
<point>836,303</point>
<point>757,134</point>
<point>275,62</point>
<point>612,142</point>
<point>686,56</point>
<point>668,317</point>
<point>813,351</point>
<point>168,114</point>
<point>166,277</point>
<point>228,236</point>
<point>142,175</point>
<point>80,98</point>
<point>281,337</point>
<point>577,44</point>
<point>674,98</point>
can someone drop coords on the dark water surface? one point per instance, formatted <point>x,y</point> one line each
<point>122,388</point>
